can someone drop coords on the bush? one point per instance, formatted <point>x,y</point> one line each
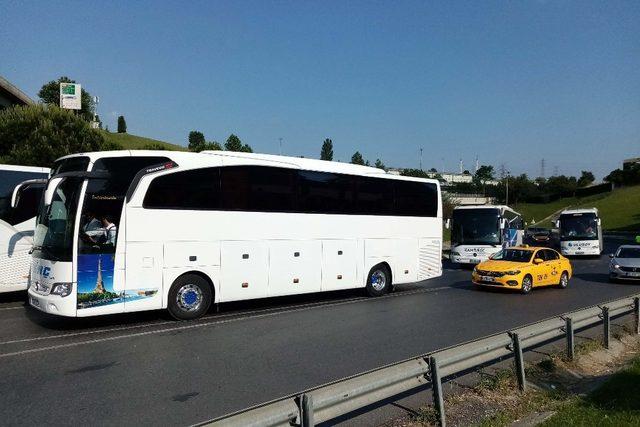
<point>38,134</point>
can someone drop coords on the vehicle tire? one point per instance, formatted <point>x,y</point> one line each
<point>564,280</point>
<point>378,281</point>
<point>527,284</point>
<point>190,297</point>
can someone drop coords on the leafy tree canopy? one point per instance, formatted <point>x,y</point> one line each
<point>38,134</point>
<point>357,159</point>
<point>235,144</point>
<point>586,178</point>
<point>196,141</point>
<point>122,125</point>
<point>327,150</point>
<point>380,165</point>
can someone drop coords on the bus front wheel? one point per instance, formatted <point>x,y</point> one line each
<point>378,281</point>
<point>189,297</point>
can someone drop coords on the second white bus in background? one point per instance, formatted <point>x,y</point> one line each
<point>477,232</point>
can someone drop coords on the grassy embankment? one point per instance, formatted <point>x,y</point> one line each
<point>133,142</point>
<point>619,210</point>
<point>615,403</point>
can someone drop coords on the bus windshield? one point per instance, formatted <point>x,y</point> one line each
<point>579,226</point>
<point>55,224</point>
<point>515,255</point>
<point>475,227</point>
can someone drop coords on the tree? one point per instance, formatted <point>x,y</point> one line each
<point>484,173</point>
<point>586,178</point>
<point>466,172</point>
<point>196,141</point>
<point>380,165</point>
<point>38,134</point>
<point>234,144</point>
<point>213,146</point>
<point>357,159</point>
<point>122,125</point>
<point>327,150</point>
<point>418,173</point>
<point>434,170</point>
<point>50,94</point>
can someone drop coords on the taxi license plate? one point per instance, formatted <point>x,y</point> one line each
<point>487,279</point>
<point>34,302</point>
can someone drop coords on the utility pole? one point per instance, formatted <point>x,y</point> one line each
<point>477,164</point>
<point>280,139</point>
<point>542,168</point>
<point>420,158</point>
<point>506,202</point>
<point>461,166</point>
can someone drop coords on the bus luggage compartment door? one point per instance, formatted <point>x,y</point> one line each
<point>244,270</point>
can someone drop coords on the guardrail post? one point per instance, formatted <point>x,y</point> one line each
<point>636,312</point>
<point>606,321</point>
<point>305,403</point>
<point>517,352</point>
<point>436,386</point>
<point>569,330</point>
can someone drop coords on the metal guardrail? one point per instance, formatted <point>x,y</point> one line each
<point>330,401</point>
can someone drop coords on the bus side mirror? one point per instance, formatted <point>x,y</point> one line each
<point>599,221</point>
<point>447,223</point>
<point>51,189</point>
<point>503,223</point>
<point>15,196</point>
<point>556,223</point>
<point>611,255</point>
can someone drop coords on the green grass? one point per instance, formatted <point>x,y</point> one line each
<point>133,142</point>
<point>615,403</point>
<point>619,210</point>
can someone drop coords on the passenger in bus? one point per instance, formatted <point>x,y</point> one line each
<point>92,225</point>
<point>110,230</point>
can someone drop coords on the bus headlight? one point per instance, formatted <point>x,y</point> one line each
<point>512,273</point>
<point>62,289</point>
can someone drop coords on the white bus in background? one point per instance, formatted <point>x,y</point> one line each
<point>580,232</point>
<point>20,192</point>
<point>184,230</point>
<point>477,232</point>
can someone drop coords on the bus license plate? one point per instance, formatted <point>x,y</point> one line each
<point>474,261</point>
<point>487,279</point>
<point>633,274</point>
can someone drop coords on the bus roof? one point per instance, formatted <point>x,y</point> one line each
<point>183,158</point>
<point>19,168</point>
<point>579,211</point>
<point>501,207</point>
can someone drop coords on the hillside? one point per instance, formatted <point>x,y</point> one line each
<point>619,210</point>
<point>133,142</point>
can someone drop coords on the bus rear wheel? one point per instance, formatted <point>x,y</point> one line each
<point>189,297</point>
<point>378,281</point>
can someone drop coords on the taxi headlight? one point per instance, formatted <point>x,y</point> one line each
<point>62,289</point>
<point>512,273</point>
<point>616,266</point>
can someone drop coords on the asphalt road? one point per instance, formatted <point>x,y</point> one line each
<point>145,369</point>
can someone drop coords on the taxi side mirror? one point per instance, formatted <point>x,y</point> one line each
<point>538,261</point>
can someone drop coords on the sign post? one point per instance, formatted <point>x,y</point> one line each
<point>70,96</point>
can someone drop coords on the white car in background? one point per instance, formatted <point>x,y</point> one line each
<point>625,263</point>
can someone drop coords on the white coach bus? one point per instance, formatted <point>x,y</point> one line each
<point>580,232</point>
<point>477,232</point>
<point>20,192</point>
<point>183,230</point>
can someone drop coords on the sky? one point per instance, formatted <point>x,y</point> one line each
<point>510,82</point>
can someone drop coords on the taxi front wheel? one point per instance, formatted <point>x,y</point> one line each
<point>527,284</point>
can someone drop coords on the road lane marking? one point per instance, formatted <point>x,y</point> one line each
<point>216,321</point>
<point>11,308</point>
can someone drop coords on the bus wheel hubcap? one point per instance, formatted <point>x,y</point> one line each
<point>378,280</point>
<point>189,297</point>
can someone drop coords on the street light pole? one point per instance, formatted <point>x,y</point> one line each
<point>420,158</point>
<point>280,139</point>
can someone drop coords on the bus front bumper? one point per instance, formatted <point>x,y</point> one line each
<point>53,304</point>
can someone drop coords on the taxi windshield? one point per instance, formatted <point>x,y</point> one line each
<point>515,255</point>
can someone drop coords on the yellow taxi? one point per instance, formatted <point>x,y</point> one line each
<point>523,268</point>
